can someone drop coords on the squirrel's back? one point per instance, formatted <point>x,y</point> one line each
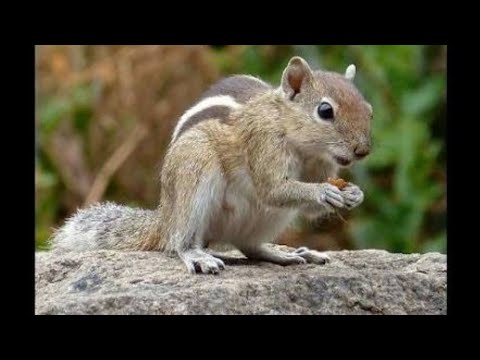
<point>220,99</point>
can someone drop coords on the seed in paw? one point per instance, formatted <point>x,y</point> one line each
<point>339,183</point>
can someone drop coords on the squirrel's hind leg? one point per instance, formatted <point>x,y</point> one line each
<point>190,218</point>
<point>191,201</point>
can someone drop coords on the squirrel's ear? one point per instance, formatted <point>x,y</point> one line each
<point>350,72</point>
<point>296,76</point>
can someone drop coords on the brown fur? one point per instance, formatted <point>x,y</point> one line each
<point>242,181</point>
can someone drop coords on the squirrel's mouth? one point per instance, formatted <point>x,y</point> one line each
<point>343,161</point>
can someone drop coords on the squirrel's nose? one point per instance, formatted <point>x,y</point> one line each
<point>361,150</point>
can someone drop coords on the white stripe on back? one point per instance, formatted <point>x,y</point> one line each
<point>220,100</point>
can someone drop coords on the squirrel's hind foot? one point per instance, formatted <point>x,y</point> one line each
<point>301,255</point>
<point>198,261</point>
<point>312,256</point>
<point>275,256</point>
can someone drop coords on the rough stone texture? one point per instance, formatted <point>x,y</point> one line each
<point>354,282</point>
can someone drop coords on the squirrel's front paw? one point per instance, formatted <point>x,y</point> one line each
<point>331,196</point>
<point>352,196</point>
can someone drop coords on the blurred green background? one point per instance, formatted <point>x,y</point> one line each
<point>104,116</point>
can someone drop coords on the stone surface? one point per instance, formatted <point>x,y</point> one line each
<point>354,282</point>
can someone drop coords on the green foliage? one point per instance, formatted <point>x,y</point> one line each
<point>46,207</point>
<point>406,154</point>
<point>76,104</point>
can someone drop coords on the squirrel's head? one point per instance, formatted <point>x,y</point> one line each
<point>333,117</point>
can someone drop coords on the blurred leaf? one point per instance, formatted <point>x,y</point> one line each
<point>47,179</point>
<point>52,112</point>
<point>424,98</point>
<point>436,244</point>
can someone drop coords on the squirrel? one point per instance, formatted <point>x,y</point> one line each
<point>235,172</point>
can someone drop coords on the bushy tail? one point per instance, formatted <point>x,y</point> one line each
<point>109,226</point>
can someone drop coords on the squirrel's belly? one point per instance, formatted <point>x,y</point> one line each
<point>243,219</point>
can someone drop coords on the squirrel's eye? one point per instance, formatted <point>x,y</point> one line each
<point>325,111</point>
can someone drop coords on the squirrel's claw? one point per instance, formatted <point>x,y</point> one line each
<point>312,256</point>
<point>352,196</point>
<point>198,261</point>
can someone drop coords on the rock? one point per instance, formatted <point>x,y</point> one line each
<point>354,282</point>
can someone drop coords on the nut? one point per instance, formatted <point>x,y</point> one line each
<point>339,183</point>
